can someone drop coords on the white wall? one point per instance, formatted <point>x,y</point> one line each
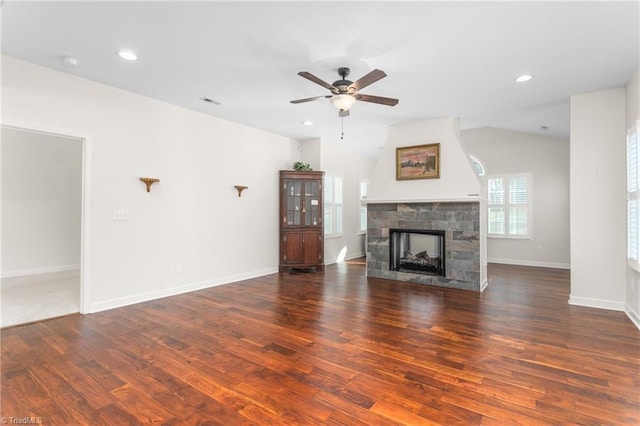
<point>598,199</point>
<point>457,179</point>
<point>192,217</point>
<point>633,99</point>
<point>41,202</point>
<point>338,161</point>
<point>633,277</point>
<point>311,152</point>
<point>546,159</point>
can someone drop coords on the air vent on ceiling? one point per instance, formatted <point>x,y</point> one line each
<point>210,101</point>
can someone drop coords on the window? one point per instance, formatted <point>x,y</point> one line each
<point>332,205</point>
<point>477,165</point>
<point>633,197</point>
<point>363,208</point>
<point>509,206</point>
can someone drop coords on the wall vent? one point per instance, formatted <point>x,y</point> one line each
<point>210,101</point>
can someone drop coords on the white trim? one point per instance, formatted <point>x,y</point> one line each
<point>473,198</point>
<point>85,238</point>
<point>362,205</point>
<point>612,305</point>
<point>536,263</point>
<point>633,316</point>
<point>36,271</point>
<point>332,211</point>
<point>484,285</point>
<point>353,256</point>
<point>174,291</point>
<point>333,236</point>
<point>509,237</point>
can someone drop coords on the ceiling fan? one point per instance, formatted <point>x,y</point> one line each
<point>345,92</point>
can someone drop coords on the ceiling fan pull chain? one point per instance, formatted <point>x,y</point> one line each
<point>341,128</point>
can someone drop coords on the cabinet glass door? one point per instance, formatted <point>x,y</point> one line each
<point>311,204</point>
<point>293,202</point>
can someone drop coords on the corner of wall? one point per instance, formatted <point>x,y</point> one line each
<point>311,152</point>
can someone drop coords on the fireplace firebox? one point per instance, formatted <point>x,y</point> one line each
<point>417,251</point>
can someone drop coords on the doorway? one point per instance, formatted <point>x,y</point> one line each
<point>42,212</point>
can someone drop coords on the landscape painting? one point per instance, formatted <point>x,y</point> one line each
<point>418,162</point>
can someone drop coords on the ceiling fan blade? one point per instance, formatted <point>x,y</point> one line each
<point>343,113</point>
<point>368,79</point>
<point>376,99</point>
<point>316,80</point>
<point>315,98</point>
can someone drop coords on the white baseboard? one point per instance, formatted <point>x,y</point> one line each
<point>530,263</point>
<point>36,271</point>
<point>633,316</point>
<point>597,303</point>
<point>484,285</point>
<point>174,291</point>
<point>356,256</point>
<point>353,256</point>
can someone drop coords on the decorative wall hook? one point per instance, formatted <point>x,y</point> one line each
<point>240,188</point>
<point>149,181</point>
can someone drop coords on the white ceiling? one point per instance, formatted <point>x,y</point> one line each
<point>443,59</point>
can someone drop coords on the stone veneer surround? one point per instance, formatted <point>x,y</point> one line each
<point>459,220</point>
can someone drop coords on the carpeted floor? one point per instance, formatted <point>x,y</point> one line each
<point>35,297</point>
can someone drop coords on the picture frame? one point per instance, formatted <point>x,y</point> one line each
<point>418,162</point>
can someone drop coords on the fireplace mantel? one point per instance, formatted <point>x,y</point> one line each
<point>470,199</point>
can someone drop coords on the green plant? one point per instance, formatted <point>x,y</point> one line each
<point>304,167</point>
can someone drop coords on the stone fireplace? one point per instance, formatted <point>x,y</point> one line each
<point>400,244</point>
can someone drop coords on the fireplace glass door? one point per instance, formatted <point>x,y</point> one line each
<point>417,251</point>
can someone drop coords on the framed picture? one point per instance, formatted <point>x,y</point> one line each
<point>418,162</point>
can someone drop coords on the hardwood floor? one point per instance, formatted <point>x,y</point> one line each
<point>333,348</point>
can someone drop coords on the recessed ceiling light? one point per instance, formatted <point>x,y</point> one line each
<point>127,55</point>
<point>69,61</point>
<point>307,123</point>
<point>524,77</point>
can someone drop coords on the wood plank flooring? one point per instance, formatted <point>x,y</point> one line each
<point>334,348</point>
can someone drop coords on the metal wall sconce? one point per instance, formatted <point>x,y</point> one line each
<point>149,181</point>
<point>240,188</point>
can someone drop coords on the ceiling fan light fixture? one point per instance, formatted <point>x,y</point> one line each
<point>342,102</point>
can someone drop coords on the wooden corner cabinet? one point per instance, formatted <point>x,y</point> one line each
<point>301,215</point>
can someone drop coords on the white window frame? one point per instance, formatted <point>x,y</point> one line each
<point>529,205</point>
<point>362,210</point>
<point>633,196</point>
<point>477,166</point>
<point>333,190</point>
